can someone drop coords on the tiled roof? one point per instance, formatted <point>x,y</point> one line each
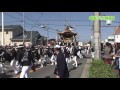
<point>18,32</point>
<point>35,34</point>
<point>17,29</point>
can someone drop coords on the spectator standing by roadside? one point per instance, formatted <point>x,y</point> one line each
<point>107,55</point>
<point>61,70</point>
<point>117,58</point>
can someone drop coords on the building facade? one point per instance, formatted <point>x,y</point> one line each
<point>117,34</point>
<point>13,35</point>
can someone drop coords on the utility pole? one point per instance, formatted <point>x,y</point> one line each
<point>57,35</point>
<point>47,29</point>
<point>23,29</point>
<point>91,38</point>
<point>97,37</point>
<point>2,29</point>
<point>31,36</point>
<point>92,35</point>
<point>47,34</point>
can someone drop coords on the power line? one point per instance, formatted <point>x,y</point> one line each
<point>39,18</point>
<point>27,19</point>
<point>12,21</point>
<point>17,18</point>
<point>50,20</point>
<point>48,24</point>
<point>63,20</point>
<point>37,22</point>
<point>13,16</point>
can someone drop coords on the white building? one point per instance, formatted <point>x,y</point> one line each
<point>80,43</point>
<point>117,34</point>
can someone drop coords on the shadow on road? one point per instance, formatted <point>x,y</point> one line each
<point>47,77</point>
<point>86,55</point>
<point>74,67</point>
<point>79,64</point>
<point>5,76</point>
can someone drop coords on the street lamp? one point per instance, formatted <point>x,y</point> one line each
<point>47,29</point>
<point>23,29</point>
<point>39,41</point>
<point>36,40</point>
<point>45,40</point>
<point>42,26</point>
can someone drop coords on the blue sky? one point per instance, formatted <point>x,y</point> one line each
<point>58,20</point>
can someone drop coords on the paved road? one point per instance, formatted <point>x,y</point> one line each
<point>9,71</point>
<point>47,71</point>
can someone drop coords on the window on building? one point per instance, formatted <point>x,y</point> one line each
<point>6,32</point>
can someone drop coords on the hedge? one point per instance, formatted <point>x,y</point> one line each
<point>98,69</point>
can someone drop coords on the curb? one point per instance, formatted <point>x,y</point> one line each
<point>85,71</point>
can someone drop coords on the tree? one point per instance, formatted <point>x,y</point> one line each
<point>89,42</point>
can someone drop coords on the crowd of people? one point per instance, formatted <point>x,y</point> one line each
<point>23,57</point>
<point>110,54</point>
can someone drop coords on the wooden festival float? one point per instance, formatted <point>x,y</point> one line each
<point>68,36</point>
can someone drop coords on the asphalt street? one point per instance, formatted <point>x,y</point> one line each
<point>47,71</point>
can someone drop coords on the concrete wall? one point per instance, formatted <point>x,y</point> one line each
<point>7,37</point>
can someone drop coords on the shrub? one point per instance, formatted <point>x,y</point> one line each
<point>99,69</point>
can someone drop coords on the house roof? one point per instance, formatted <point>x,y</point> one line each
<point>35,34</point>
<point>18,32</point>
<point>117,30</point>
<point>17,29</point>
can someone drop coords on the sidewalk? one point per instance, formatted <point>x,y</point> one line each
<point>86,69</point>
